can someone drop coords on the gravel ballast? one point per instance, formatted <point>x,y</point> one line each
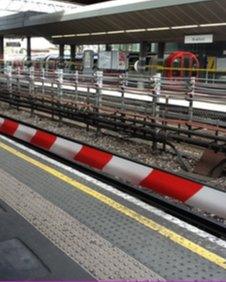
<point>138,150</point>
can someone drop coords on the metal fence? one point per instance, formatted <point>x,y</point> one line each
<point>193,99</point>
<point>154,108</point>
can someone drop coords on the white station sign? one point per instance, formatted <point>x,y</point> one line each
<point>198,39</point>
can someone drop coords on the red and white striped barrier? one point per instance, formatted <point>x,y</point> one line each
<point>187,191</point>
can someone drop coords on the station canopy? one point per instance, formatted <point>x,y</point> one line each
<point>123,21</point>
<point>84,2</point>
<point>12,7</point>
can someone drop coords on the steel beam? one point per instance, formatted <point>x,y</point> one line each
<point>143,55</point>
<point>61,55</point>
<point>1,51</point>
<point>108,47</point>
<point>72,55</point>
<point>73,52</point>
<point>1,47</point>
<point>161,50</point>
<point>28,49</point>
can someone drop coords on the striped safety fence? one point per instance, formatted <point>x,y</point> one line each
<point>185,190</point>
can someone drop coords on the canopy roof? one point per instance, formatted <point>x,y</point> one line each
<point>124,21</point>
<point>10,7</point>
<point>84,2</point>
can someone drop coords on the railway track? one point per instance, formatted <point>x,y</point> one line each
<point>118,93</point>
<point>156,128</point>
<point>171,207</point>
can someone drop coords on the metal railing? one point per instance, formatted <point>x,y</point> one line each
<point>191,99</point>
<point>154,108</point>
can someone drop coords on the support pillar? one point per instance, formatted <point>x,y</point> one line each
<point>108,47</point>
<point>161,50</point>
<point>1,52</point>
<point>28,50</point>
<point>72,56</point>
<point>143,55</point>
<point>61,55</point>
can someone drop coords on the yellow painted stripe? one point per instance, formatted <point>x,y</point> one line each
<point>205,70</point>
<point>169,234</point>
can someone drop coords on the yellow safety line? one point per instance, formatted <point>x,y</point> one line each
<point>169,234</point>
<point>160,67</point>
<point>194,69</point>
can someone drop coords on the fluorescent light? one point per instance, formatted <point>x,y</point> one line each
<point>142,30</point>
<point>69,35</point>
<point>115,31</point>
<point>158,28</point>
<point>135,30</point>
<point>212,24</point>
<point>57,36</point>
<point>185,26</point>
<point>98,33</point>
<point>83,34</point>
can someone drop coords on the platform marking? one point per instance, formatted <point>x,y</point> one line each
<point>99,257</point>
<point>191,228</point>
<point>169,234</point>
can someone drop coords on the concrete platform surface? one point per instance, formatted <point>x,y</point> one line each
<point>69,226</point>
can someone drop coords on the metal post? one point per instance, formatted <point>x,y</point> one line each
<point>60,79</point>
<point>76,85</point>
<point>165,122</point>
<point>143,55</point>
<point>155,111</point>
<point>60,92</point>
<point>61,55</point>
<point>9,84</point>
<point>156,94</point>
<point>73,56</point>
<point>60,82</point>
<point>99,84</point>
<point>191,97</point>
<point>32,83</point>
<point>99,87</point>
<point>31,88</point>
<point>1,52</point>
<point>29,51</point>
<point>43,80</point>
<point>9,79</point>
<point>123,85</point>
<point>18,79</point>
<point>161,50</point>
<point>108,47</point>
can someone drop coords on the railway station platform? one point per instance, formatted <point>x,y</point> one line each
<point>58,223</point>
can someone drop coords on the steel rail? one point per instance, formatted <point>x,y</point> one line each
<point>173,208</point>
<point>138,127</point>
<point>15,99</point>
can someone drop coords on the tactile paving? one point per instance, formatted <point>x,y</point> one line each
<point>98,256</point>
<point>146,246</point>
<point>15,264</point>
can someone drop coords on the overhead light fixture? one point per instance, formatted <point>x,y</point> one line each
<point>213,24</point>
<point>57,36</point>
<point>143,30</point>
<point>83,34</point>
<point>135,30</point>
<point>115,31</point>
<point>184,26</point>
<point>158,28</point>
<point>69,35</point>
<point>98,33</point>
